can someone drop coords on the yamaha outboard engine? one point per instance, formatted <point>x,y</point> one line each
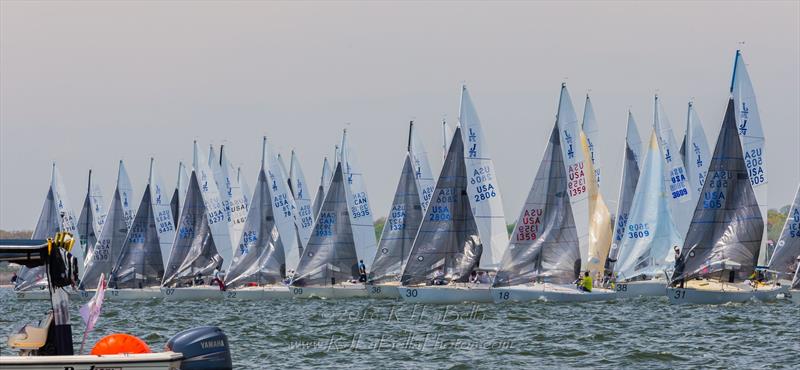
<point>203,348</point>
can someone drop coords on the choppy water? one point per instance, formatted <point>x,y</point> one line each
<point>641,333</point>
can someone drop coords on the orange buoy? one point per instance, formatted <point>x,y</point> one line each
<point>119,343</point>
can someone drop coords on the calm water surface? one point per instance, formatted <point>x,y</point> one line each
<point>640,333</point>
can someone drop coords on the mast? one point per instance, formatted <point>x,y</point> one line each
<point>410,128</point>
<point>444,139</point>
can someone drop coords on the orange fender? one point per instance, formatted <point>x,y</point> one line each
<point>120,343</point>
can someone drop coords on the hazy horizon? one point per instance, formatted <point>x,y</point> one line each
<point>87,84</point>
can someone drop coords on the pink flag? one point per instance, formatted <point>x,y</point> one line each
<point>90,312</point>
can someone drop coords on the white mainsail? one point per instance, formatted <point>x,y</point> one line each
<point>218,223</point>
<point>591,130</point>
<point>103,256</point>
<point>482,186</point>
<point>284,207</point>
<point>231,195</point>
<point>57,215</point>
<point>304,220</point>
<point>577,171</point>
<point>683,197</point>
<point>694,150</point>
<point>246,193</point>
<point>423,175</point>
<point>627,188</point>
<point>361,217</point>
<point>179,194</point>
<point>753,140</point>
<point>147,246</point>
<point>92,217</point>
<point>650,234</point>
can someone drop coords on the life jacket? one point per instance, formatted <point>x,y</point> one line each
<point>587,283</point>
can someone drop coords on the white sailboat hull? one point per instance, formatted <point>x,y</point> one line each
<point>142,361</point>
<point>258,293</point>
<point>384,291</point>
<point>33,295</point>
<point>446,294</point>
<point>124,294</point>
<point>649,288</point>
<point>330,292</point>
<point>196,293</point>
<point>770,293</point>
<point>550,293</point>
<point>703,292</point>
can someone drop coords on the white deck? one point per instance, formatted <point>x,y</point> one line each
<point>142,361</point>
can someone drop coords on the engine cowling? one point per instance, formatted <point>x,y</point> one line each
<point>203,348</point>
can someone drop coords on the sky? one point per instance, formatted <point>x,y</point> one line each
<point>86,84</point>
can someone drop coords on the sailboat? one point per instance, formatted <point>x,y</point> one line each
<point>259,262</point>
<point>411,198</point>
<point>201,243</point>
<point>463,229</point>
<point>753,141</point>
<point>283,188</point>
<point>324,182</point>
<point>786,257</point>
<point>721,249</point>
<point>139,269</point>
<point>627,188</point>
<point>694,150</point>
<point>92,216</point>
<point>645,252</point>
<point>545,255</point>
<point>104,254</point>
<point>683,196</point>
<point>233,200</point>
<point>57,215</point>
<point>329,263</point>
<point>178,196</point>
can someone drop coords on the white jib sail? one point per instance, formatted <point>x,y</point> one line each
<point>126,195</point>
<point>682,196</point>
<point>246,193</point>
<point>324,183</point>
<point>232,197</point>
<point>482,186</point>
<point>574,161</point>
<point>752,136</point>
<point>283,206</point>
<point>361,216</point>
<point>422,169</point>
<point>591,130</point>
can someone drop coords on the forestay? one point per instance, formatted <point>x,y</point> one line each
<point>676,182</point>
<point>482,186</point>
<point>57,215</point>
<point>324,182</point>
<point>448,239</point>
<point>752,137</point>
<point>260,257</point>
<point>147,245</point>
<point>650,235</point>
<point>627,188</point>
<point>544,244</point>
<point>304,216</point>
<point>330,256</point>
<point>361,216</point>
<point>694,151</point>
<point>103,256</point>
<point>787,251</point>
<point>727,226</point>
<point>408,207</point>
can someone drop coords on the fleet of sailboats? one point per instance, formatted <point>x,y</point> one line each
<point>689,223</point>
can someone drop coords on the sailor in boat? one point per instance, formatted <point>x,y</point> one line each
<point>483,277</point>
<point>679,264</point>
<point>585,284</point>
<point>362,272</point>
<point>438,277</point>
<point>218,279</point>
<point>198,280</point>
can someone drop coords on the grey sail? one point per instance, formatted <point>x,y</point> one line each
<point>176,202</point>
<point>193,251</point>
<point>630,177</point>
<point>787,251</point>
<point>727,226</point>
<point>447,239</point>
<point>259,258</point>
<point>103,256</point>
<point>544,245</point>
<point>330,255</point>
<point>139,264</point>
<point>796,281</point>
<point>399,229</point>
<point>86,221</point>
